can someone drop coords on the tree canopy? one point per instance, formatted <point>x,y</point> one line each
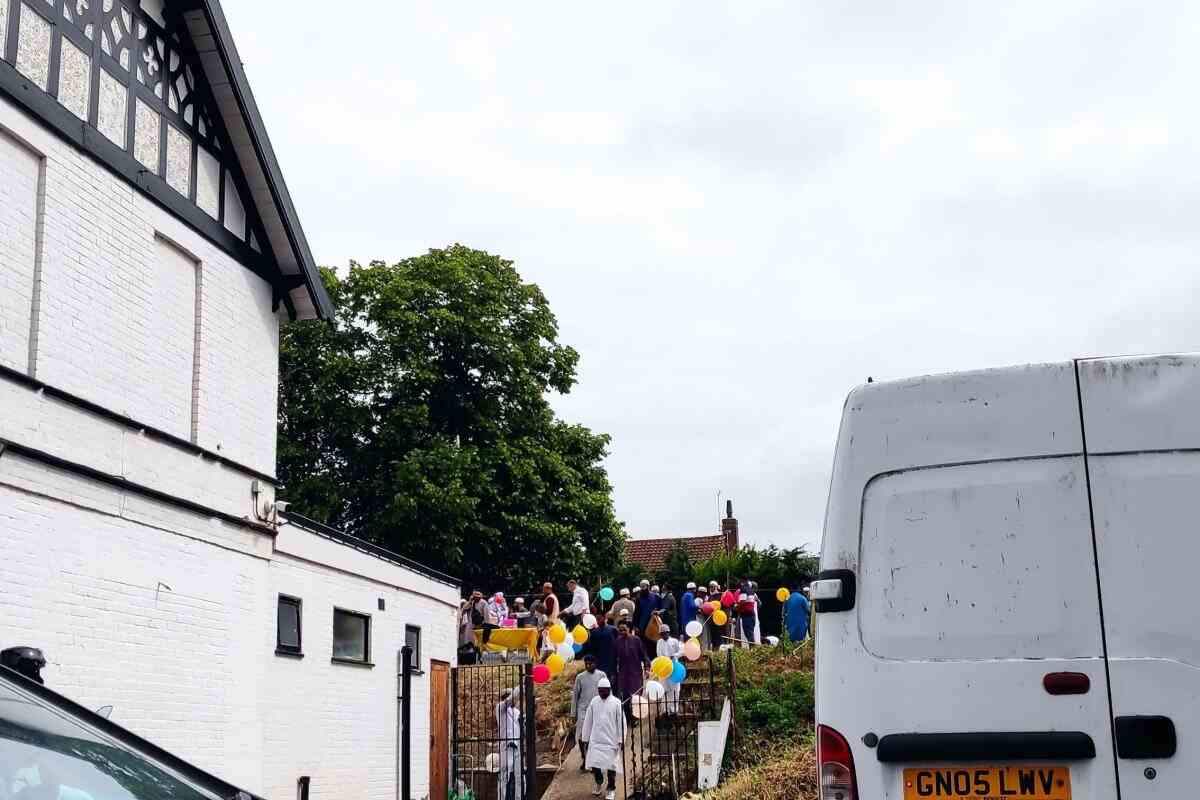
<point>419,420</point>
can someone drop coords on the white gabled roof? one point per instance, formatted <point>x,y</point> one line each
<point>223,70</point>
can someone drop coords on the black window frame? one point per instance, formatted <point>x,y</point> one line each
<point>282,649</point>
<point>365,661</point>
<point>416,656</point>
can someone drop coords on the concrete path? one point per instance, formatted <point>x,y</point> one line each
<point>571,784</point>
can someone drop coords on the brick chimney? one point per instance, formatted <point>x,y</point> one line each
<point>729,528</point>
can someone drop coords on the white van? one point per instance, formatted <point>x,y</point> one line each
<point>1009,603</point>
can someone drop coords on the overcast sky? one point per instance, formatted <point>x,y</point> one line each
<point>739,211</point>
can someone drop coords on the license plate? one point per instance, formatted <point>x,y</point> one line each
<point>988,783</point>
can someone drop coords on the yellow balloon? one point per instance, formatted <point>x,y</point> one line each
<point>782,594</point>
<point>579,634</point>
<point>557,633</point>
<point>555,663</point>
<point>720,617</point>
<point>661,666</point>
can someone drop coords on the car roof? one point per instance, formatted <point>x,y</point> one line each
<point>143,747</point>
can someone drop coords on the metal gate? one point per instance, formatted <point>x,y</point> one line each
<point>662,759</point>
<point>493,744</point>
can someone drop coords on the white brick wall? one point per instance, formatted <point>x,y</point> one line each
<point>239,365</point>
<point>323,735</point>
<point>167,615</point>
<point>171,619</point>
<point>115,321</point>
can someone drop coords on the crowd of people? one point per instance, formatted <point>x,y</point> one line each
<point>627,630</point>
<point>647,610</point>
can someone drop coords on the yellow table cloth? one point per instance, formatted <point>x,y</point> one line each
<point>504,639</point>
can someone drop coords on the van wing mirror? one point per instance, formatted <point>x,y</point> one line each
<point>833,590</point>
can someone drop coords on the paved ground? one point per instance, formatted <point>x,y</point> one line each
<point>571,784</point>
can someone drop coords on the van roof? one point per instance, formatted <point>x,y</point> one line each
<point>1023,411</point>
<point>1026,411</point>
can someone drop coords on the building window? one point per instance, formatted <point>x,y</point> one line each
<point>287,626</point>
<point>412,638</point>
<point>351,637</point>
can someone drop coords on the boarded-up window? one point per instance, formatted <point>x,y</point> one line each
<point>19,171</point>
<point>171,346</point>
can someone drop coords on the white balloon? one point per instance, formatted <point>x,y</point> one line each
<point>773,640</point>
<point>654,690</point>
<point>639,706</point>
<point>492,762</point>
<point>694,628</point>
<point>566,650</point>
<point>589,621</point>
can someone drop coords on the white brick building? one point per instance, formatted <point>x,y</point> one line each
<point>148,252</point>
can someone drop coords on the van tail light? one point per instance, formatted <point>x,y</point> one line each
<point>1067,683</point>
<point>835,765</point>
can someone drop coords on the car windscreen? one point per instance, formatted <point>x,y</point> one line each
<point>47,755</point>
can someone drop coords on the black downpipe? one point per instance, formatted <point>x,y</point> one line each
<point>406,722</point>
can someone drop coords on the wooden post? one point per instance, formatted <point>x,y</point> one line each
<point>530,719</point>
<point>731,677</point>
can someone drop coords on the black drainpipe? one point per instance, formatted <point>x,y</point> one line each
<point>406,722</point>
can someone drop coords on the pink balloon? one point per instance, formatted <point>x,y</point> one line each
<point>728,599</point>
<point>541,673</point>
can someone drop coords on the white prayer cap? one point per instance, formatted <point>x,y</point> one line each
<point>664,628</point>
<point>654,588</point>
<point>645,582</point>
<point>624,593</point>
<point>604,684</point>
<point>691,585</point>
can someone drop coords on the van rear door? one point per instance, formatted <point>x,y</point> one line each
<point>960,505</point>
<point>1142,433</point>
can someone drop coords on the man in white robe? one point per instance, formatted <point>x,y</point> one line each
<point>672,649</point>
<point>508,730</point>
<point>582,694</point>
<point>604,730</point>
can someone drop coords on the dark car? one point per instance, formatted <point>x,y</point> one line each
<point>54,749</point>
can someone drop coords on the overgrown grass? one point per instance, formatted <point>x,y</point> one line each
<point>772,756</point>
<point>774,700</point>
<point>782,771</point>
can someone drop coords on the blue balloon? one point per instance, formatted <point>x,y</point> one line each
<point>606,594</point>
<point>678,673</point>
<point>577,647</point>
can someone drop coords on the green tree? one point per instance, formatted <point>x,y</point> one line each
<point>419,420</point>
<point>771,568</point>
<point>626,576</point>
<point>677,568</point>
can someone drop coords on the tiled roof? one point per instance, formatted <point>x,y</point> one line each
<point>651,553</point>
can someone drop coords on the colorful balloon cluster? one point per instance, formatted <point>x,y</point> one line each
<point>668,669</point>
